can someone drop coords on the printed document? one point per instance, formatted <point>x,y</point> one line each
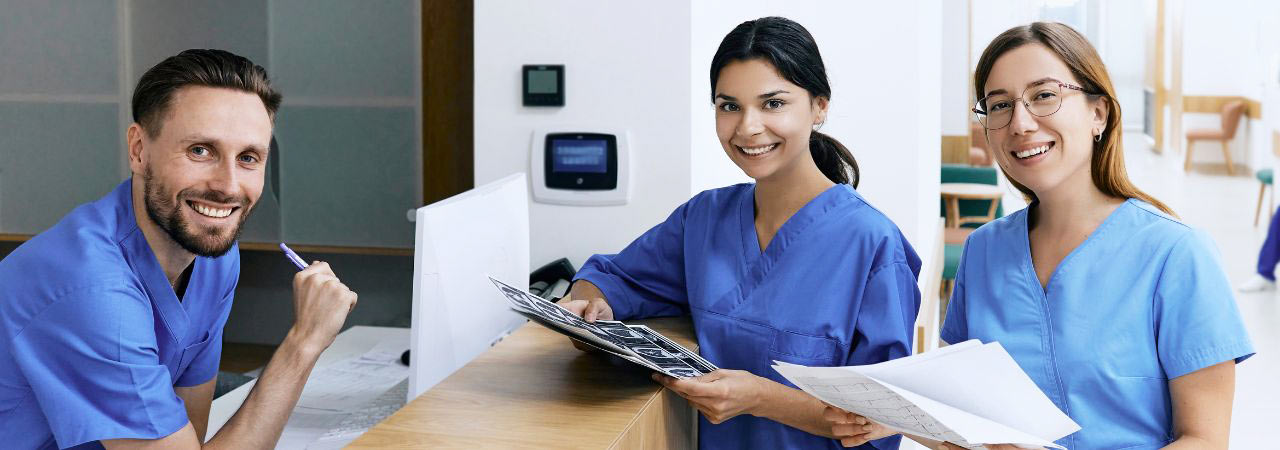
<point>969,394</point>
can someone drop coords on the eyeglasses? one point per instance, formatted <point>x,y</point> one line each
<point>995,111</point>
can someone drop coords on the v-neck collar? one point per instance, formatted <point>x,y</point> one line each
<point>756,263</point>
<point>1029,264</point>
<point>143,261</point>
<point>793,225</point>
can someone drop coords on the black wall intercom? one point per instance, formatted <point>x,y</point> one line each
<point>543,85</point>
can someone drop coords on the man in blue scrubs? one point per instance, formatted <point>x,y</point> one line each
<point>111,321</point>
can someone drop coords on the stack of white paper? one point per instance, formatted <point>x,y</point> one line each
<point>969,394</point>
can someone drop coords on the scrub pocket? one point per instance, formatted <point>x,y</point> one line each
<point>804,349</point>
<point>796,348</point>
<point>190,353</point>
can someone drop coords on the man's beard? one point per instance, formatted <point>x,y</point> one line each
<point>168,215</point>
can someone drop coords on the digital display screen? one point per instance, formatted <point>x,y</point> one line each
<point>542,81</point>
<point>580,156</point>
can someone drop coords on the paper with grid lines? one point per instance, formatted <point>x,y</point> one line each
<point>968,394</point>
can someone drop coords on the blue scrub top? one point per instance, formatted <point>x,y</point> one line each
<point>92,337</point>
<point>836,286</point>
<point>1141,301</point>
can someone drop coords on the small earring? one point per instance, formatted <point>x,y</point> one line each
<point>1097,137</point>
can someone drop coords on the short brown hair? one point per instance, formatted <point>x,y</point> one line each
<point>198,67</point>
<point>1107,162</point>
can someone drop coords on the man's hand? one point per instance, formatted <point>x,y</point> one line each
<point>320,305</point>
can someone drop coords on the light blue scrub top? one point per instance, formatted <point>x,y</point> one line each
<point>836,286</point>
<point>92,337</point>
<point>1141,301</point>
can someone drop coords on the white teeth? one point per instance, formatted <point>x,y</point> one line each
<point>1032,152</point>
<point>211,212</point>
<point>756,151</point>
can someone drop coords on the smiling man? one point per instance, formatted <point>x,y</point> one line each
<point>111,321</point>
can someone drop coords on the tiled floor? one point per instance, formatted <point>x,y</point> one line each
<point>1208,199</point>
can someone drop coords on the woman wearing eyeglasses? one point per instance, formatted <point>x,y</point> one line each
<point>1119,312</point>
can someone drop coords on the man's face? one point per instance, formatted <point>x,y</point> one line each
<point>203,173</point>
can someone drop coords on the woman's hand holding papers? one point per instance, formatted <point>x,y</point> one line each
<point>725,394</point>
<point>720,395</point>
<point>587,301</point>
<point>853,430</point>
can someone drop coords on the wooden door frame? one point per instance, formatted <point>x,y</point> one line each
<point>448,100</point>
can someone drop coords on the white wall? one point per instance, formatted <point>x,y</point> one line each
<point>928,136</point>
<point>1269,55</point>
<point>710,21</point>
<point>645,67</point>
<point>626,66</point>
<point>992,17</point>
<point>1123,45</point>
<point>883,62</point>
<point>956,92</point>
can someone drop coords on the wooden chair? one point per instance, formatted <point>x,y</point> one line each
<point>978,154</point>
<point>1231,113</point>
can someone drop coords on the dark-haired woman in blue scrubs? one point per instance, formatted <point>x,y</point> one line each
<point>796,267</point>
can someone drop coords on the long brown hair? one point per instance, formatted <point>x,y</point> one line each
<point>1107,161</point>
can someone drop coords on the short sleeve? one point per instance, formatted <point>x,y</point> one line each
<point>645,279</point>
<point>1197,321</point>
<point>955,328</point>
<point>91,361</point>
<point>887,315</point>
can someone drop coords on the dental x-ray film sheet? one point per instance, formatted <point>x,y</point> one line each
<point>635,343</point>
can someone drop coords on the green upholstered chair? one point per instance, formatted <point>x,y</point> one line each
<point>954,237</point>
<point>963,173</point>
<point>1265,179</point>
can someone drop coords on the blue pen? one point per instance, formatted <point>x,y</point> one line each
<point>293,257</point>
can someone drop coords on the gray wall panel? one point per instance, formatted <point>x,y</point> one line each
<point>54,157</point>
<point>61,47</point>
<point>162,28</point>
<point>337,48</point>
<point>347,175</point>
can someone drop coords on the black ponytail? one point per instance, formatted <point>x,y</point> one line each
<point>792,51</point>
<point>834,159</point>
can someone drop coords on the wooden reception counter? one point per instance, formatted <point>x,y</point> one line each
<point>534,390</point>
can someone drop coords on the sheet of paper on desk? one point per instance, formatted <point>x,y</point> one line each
<point>346,385</point>
<point>968,394</point>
